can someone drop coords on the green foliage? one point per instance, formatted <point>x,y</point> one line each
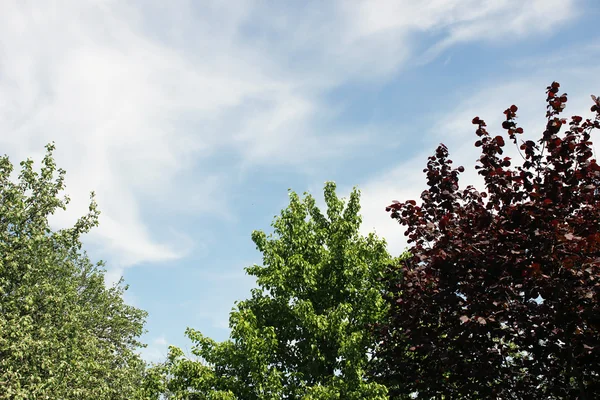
<point>305,332</point>
<point>63,334</point>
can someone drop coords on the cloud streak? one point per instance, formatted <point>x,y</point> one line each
<point>138,95</point>
<point>406,180</point>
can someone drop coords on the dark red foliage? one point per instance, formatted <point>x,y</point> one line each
<point>499,299</point>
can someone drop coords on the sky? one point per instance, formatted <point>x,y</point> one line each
<point>192,119</point>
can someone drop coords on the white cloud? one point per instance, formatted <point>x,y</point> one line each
<point>161,341</point>
<point>459,21</point>
<point>156,351</point>
<point>137,95</point>
<point>454,128</point>
<point>128,113</point>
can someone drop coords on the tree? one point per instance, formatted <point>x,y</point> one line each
<point>303,334</point>
<point>63,333</point>
<point>500,296</point>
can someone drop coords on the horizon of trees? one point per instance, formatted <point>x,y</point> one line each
<point>496,297</point>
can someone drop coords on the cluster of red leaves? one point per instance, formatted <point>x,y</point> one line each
<point>500,298</point>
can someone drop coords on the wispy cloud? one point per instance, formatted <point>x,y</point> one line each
<point>453,127</point>
<point>156,351</point>
<point>138,95</point>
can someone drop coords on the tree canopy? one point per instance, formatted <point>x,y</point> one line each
<point>303,334</point>
<point>496,298</point>
<point>499,299</point>
<point>63,333</point>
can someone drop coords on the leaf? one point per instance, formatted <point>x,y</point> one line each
<point>319,298</point>
<point>68,335</point>
<point>494,255</point>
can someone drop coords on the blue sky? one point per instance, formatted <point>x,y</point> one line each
<point>191,119</point>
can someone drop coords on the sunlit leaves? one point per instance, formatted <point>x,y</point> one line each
<point>303,334</point>
<point>63,334</point>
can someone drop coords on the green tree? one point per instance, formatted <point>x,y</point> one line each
<point>63,333</point>
<point>304,333</point>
